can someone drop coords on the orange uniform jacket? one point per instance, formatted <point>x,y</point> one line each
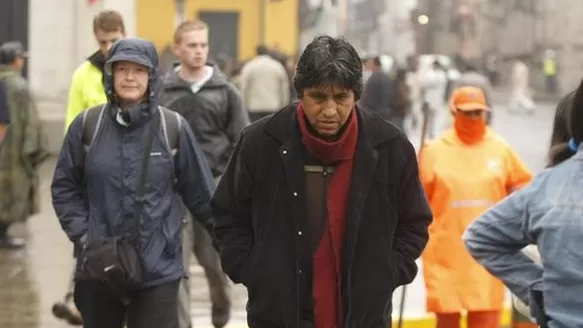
<point>461,182</point>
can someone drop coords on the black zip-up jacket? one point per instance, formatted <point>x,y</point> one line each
<point>217,115</point>
<point>259,213</point>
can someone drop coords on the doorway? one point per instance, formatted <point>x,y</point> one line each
<point>14,22</point>
<point>223,32</point>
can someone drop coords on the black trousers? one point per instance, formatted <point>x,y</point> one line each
<point>101,307</point>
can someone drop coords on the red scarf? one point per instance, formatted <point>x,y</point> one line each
<point>327,258</point>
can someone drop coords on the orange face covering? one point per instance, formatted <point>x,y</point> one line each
<point>469,129</point>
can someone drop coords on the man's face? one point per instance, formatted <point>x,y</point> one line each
<point>18,63</point>
<point>327,108</point>
<point>107,39</point>
<point>193,49</point>
<point>130,81</point>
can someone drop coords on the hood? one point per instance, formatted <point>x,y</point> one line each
<point>138,51</point>
<point>173,81</point>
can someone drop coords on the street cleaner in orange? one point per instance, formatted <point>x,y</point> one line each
<point>464,171</point>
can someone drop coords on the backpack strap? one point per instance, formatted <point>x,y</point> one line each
<point>171,125</point>
<point>91,122</point>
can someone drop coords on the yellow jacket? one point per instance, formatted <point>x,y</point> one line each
<point>86,91</point>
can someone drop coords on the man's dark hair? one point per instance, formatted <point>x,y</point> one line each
<point>576,118</point>
<point>327,60</point>
<point>559,149</point>
<point>262,50</point>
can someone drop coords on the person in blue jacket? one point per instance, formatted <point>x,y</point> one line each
<point>94,191</point>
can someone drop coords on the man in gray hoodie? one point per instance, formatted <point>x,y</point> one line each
<point>213,108</point>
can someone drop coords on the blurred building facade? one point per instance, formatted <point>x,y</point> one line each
<point>236,26</point>
<point>61,34</point>
<point>507,28</point>
<point>372,26</point>
<point>382,26</point>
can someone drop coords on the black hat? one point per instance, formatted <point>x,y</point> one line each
<point>10,51</point>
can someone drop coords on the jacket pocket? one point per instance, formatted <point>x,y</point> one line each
<point>387,209</point>
<point>393,273</point>
<point>248,269</point>
<point>173,238</point>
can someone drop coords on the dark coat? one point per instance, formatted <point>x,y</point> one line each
<point>259,215</point>
<point>94,190</point>
<point>216,118</point>
<point>22,151</point>
<point>379,95</point>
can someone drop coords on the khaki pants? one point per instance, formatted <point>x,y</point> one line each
<point>199,240</point>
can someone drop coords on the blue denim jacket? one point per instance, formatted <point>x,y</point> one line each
<point>548,213</point>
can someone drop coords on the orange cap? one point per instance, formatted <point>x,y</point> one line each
<point>468,99</point>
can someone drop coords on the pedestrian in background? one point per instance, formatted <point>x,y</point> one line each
<point>119,193</point>
<point>464,171</point>
<point>379,93</point>
<point>264,85</point>
<point>214,110</point>
<point>520,93</point>
<point>402,103</point>
<point>87,82</point>
<point>22,145</point>
<point>433,83</point>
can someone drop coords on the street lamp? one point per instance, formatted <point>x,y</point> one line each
<point>423,19</point>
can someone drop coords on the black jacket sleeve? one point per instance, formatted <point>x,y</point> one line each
<point>67,188</point>
<point>194,178</point>
<point>414,219</point>
<point>231,205</point>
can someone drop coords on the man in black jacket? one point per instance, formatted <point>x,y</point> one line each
<point>320,213</point>
<point>378,91</point>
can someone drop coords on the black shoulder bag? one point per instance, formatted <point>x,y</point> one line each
<point>116,261</point>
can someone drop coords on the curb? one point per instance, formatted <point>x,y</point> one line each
<point>429,320</point>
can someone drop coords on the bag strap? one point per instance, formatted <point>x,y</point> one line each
<point>141,190</point>
<point>171,123</point>
<point>91,122</point>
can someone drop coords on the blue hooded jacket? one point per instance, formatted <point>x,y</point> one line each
<point>94,189</point>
